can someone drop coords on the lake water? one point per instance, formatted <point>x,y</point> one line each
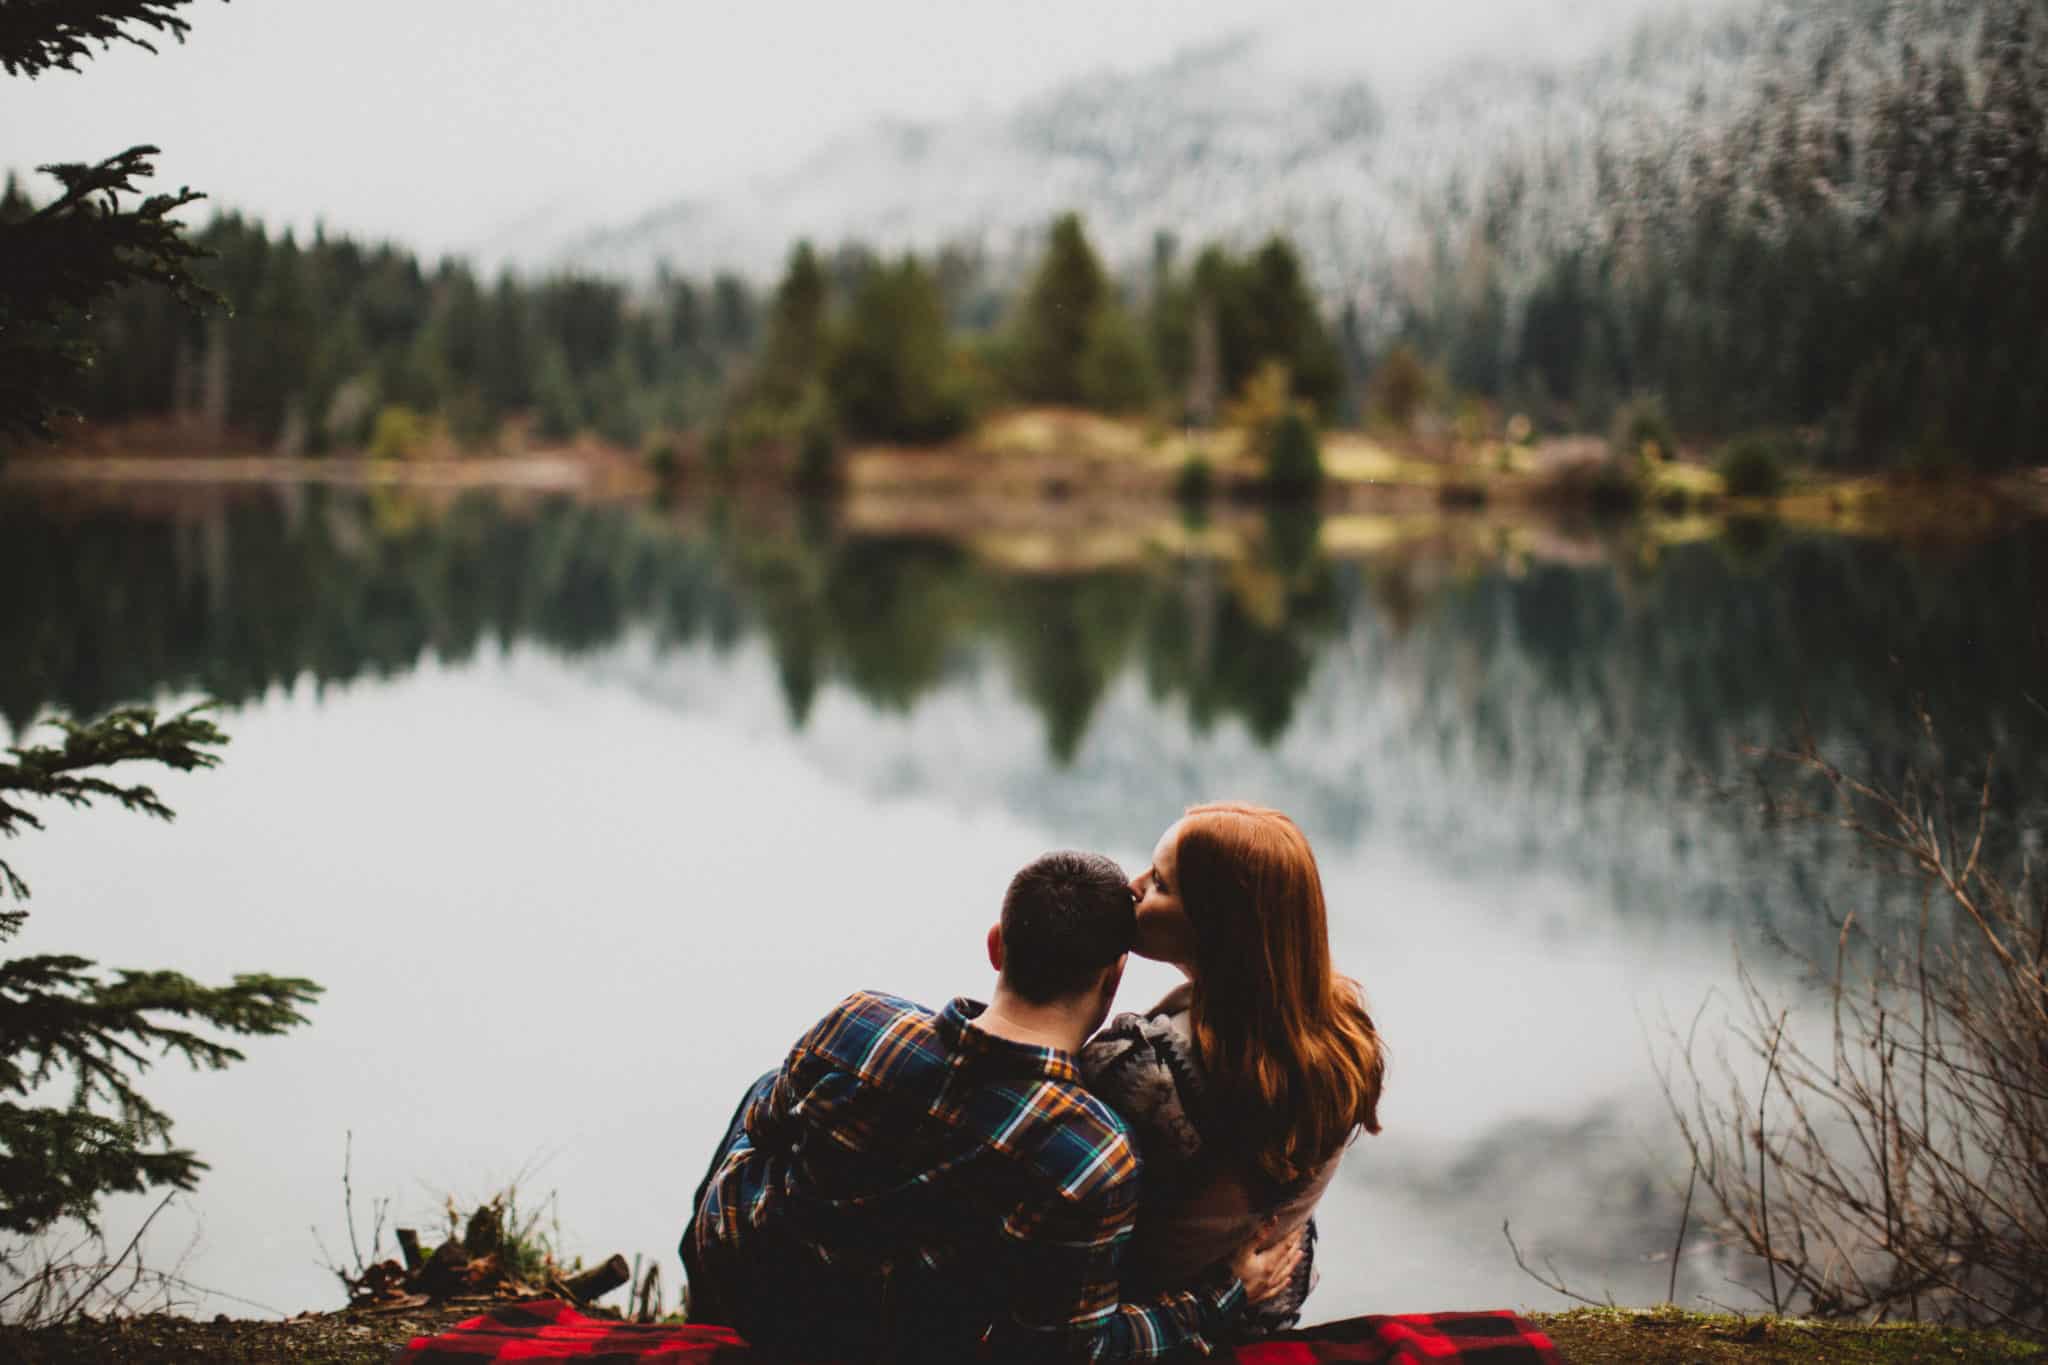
<point>581,813</point>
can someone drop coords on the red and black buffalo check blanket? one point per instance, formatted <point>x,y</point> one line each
<point>546,1330</point>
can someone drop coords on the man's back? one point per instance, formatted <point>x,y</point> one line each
<point>909,1180</point>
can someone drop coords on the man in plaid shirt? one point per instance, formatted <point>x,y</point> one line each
<point>920,1186</point>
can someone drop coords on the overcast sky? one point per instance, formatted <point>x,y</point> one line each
<point>442,122</point>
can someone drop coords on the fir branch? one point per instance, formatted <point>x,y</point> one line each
<point>83,243</point>
<point>56,1163</point>
<point>60,1019</point>
<point>37,36</point>
<point>183,742</point>
<point>58,261</point>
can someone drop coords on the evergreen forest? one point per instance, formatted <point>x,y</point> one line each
<point>1858,253</point>
<point>1853,259</point>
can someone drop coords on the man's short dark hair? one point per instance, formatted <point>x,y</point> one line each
<point>1066,916</point>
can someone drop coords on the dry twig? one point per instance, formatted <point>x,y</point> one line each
<point>1555,1284</point>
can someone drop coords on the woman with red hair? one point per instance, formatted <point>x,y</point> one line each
<point>1246,1083</point>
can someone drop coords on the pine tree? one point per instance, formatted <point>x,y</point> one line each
<point>57,262</point>
<point>732,313</point>
<point>795,347</point>
<point>506,362</point>
<point>1057,314</point>
<point>890,375</point>
<point>1263,312</point>
<point>1291,323</point>
<point>63,1022</point>
<point>1115,369</point>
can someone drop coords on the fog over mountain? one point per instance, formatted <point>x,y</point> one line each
<point>1337,125</point>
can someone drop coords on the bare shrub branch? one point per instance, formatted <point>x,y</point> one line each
<point>1900,1170</point>
<point>1554,1281</point>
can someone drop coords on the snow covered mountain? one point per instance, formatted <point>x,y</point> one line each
<point>1354,131</point>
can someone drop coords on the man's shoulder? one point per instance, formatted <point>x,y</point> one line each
<point>881,1005</point>
<point>1078,1146</point>
<point>869,1029</point>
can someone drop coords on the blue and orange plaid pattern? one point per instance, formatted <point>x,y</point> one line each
<point>946,1170</point>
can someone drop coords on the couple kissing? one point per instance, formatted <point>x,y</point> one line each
<point>1017,1182</point>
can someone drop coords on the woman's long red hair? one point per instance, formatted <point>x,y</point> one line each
<point>1292,1058</point>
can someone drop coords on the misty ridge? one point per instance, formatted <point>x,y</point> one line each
<point>1308,125</point>
<point>1311,127</point>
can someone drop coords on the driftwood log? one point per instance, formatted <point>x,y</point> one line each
<point>598,1281</point>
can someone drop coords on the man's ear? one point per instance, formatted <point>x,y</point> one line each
<point>995,946</point>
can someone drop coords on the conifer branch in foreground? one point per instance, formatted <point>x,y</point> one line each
<point>64,1022</point>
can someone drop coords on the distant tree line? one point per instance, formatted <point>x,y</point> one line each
<point>1861,256</point>
<point>333,344</point>
<point>326,335</point>
<point>873,350</point>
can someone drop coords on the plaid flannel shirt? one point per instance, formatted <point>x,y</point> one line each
<point>949,1176</point>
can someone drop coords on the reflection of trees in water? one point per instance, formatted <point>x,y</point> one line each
<point>1067,639</point>
<point>107,607</point>
<point>891,616</point>
<point>1242,638</point>
<point>1602,709</point>
<point>1691,662</point>
<point>886,616</point>
<point>111,607</point>
<point>1606,686</point>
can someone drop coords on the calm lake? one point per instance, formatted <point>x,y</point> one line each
<point>581,813</point>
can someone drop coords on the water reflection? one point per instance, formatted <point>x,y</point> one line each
<point>108,606</point>
<point>1580,695</point>
<point>1502,744</point>
<point>1746,637</point>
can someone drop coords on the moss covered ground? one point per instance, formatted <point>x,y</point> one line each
<point>1667,1336</point>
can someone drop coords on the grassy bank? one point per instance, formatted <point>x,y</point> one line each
<point>1592,1336</point>
<point>1053,452</point>
<point>1623,1336</point>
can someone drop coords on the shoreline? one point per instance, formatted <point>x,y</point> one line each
<point>1036,514</point>
<point>1019,465</point>
<point>553,473</point>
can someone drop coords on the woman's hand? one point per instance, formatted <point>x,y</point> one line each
<point>1265,1264</point>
